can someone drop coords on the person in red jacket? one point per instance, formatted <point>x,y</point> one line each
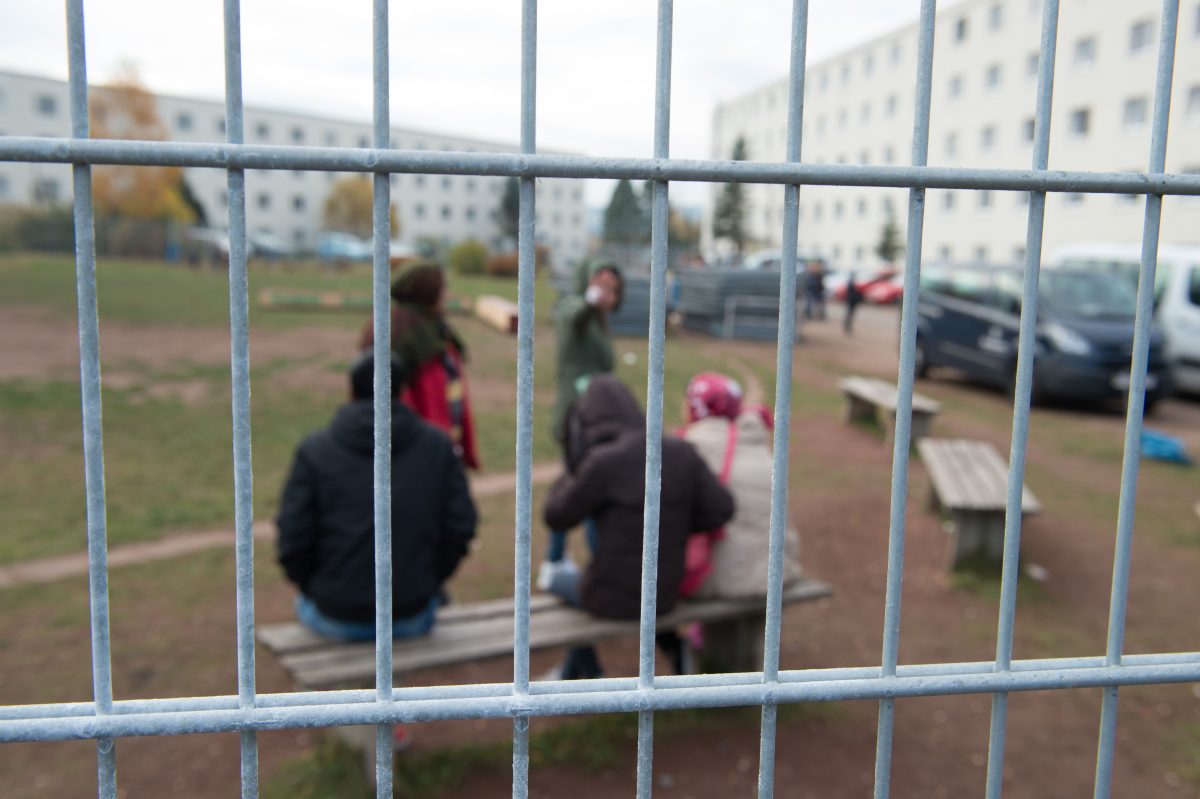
<point>421,336</point>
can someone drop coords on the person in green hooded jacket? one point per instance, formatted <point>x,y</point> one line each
<point>584,349</point>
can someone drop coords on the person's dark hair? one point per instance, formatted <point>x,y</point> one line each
<point>420,283</point>
<point>615,272</point>
<point>362,376</point>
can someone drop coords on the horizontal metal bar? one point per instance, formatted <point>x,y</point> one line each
<point>252,156</point>
<point>485,690</point>
<point>559,700</point>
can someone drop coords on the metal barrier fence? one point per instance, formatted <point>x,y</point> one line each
<point>248,711</point>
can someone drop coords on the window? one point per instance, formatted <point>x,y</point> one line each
<point>469,213</point>
<point>985,199</point>
<point>46,191</point>
<point>1022,199</point>
<point>862,207</point>
<point>824,81</point>
<point>859,253</point>
<point>1032,62</point>
<point>264,200</point>
<point>1141,35</point>
<point>996,17</point>
<point>891,104</point>
<point>419,210</point>
<point>945,252</point>
<point>865,113</point>
<point>981,253</point>
<point>889,155</point>
<point>3,187</point>
<point>820,125</point>
<point>948,201</point>
<point>846,72</point>
<point>956,85</point>
<point>987,137</point>
<point>894,56</point>
<point>1133,115</point>
<point>330,138</point>
<point>841,118</point>
<point>222,199</point>
<point>887,205</point>
<point>446,182</point>
<point>837,210</point>
<point>869,64</point>
<point>297,135</point>
<point>469,184</point>
<point>364,142</point>
<point>298,202</point>
<point>1193,103</point>
<point>1027,129</point>
<point>864,157</point>
<point>1073,198</point>
<point>183,121</point>
<point>1018,257</point>
<point>45,105</point>
<point>1085,52</point>
<point>951,145</point>
<point>1,100</point>
<point>220,125</point>
<point>960,29</point>
<point>1080,122</point>
<point>991,78</point>
<point>262,130</point>
<point>817,211</point>
<point>1196,23</point>
<point>419,180</point>
<point>446,212</point>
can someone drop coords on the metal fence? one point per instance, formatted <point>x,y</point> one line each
<point>247,712</point>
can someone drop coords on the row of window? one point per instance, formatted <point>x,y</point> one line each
<point>860,254</point>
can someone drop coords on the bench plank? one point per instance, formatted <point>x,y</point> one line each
<point>970,475</point>
<point>476,635</point>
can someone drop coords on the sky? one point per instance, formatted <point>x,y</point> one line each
<point>455,64</point>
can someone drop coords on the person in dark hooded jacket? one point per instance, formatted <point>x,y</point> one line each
<point>326,517</point>
<point>608,486</point>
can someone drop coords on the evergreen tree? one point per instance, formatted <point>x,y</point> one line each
<point>729,216</point>
<point>624,219</point>
<point>510,208</point>
<point>889,247</point>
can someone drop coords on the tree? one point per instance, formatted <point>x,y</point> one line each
<point>349,208</point>
<point>889,247</point>
<point>729,216</point>
<point>510,209</point>
<point>124,109</point>
<point>624,219</point>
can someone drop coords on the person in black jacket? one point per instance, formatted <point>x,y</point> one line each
<point>326,517</point>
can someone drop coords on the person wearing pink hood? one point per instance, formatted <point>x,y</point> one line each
<point>735,441</point>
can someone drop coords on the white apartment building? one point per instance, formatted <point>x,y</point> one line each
<point>289,204</point>
<point>858,109</point>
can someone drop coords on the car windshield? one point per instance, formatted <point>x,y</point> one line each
<point>1088,295</point>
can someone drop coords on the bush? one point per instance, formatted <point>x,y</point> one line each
<point>467,258</point>
<point>502,265</point>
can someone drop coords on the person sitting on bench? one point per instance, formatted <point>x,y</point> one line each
<point>608,486</point>
<point>326,517</point>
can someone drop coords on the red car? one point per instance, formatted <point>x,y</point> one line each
<point>884,276</point>
<point>888,291</point>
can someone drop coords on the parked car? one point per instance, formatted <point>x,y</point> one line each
<point>888,291</point>
<point>836,289</point>
<point>1176,295</point>
<point>334,246</point>
<point>969,318</point>
<point>771,260</point>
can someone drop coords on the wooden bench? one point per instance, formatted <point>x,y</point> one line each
<point>969,481</point>
<point>865,396</point>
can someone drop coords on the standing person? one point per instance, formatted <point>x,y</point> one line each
<point>854,296</point>
<point>423,338</point>
<point>735,442</point>
<point>608,486</point>
<point>584,349</point>
<point>814,291</point>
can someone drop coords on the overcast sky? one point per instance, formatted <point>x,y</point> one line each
<point>455,64</point>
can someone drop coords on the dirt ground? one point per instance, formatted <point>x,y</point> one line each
<point>840,503</point>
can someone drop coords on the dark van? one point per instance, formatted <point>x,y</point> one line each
<point>969,318</point>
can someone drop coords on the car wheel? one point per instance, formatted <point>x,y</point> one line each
<point>920,361</point>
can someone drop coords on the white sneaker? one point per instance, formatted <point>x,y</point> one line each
<point>550,569</point>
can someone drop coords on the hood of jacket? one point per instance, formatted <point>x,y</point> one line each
<point>353,425</point>
<point>607,409</point>
<point>588,269</point>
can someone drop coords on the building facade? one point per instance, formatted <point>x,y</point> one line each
<point>858,109</point>
<point>289,204</point>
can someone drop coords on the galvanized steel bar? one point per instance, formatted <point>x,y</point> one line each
<point>542,688</point>
<point>1026,348</point>
<point>588,700</point>
<point>904,383</point>
<point>239,364</point>
<point>278,157</point>
<point>91,401</point>
<point>526,273</point>
<point>784,344</point>
<point>1142,328</point>
<point>381,231</point>
<point>659,208</point>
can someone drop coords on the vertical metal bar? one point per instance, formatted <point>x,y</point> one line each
<point>239,364</point>
<point>526,265</point>
<point>91,401</point>
<point>659,207</point>
<point>1137,390</point>
<point>1026,347</point>
<point>380,284</point>
<point>784,345</point>
<point>903,429</point>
